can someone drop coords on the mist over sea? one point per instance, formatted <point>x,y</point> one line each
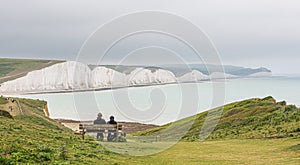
<point>165,103</point>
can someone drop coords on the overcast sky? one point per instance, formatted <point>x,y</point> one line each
<point>249,33</point>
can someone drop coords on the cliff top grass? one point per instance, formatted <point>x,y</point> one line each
<point>14,68</point>
<point>248,119</point>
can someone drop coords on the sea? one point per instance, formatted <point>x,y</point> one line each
<point>161,104</point>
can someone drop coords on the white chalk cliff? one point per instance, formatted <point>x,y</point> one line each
<point>77,76</point>
<point>105,77</point>
<point>193,76</point>
<point>73,75</point>
<point>141,76</point>
<point>62,76</point>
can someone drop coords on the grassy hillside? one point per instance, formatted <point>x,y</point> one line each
<point>28,137</point>
<point>253,118</point>
<point>32,138</point>
<point>14,68</point>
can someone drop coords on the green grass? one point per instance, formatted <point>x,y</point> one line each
<point>33,138</point>
<point>237,151</point>
<point>3,101</point>
<point>230,151</point>
<point>27,140</point>
<point>4,113</point>
<point>14,68</point>
<point>253,118</point>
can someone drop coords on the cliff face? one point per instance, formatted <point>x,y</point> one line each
<point>77,76</point>
<point>73,75</point>
<point>195,75</point>
<point>68,75</point>
<point>141,76</point>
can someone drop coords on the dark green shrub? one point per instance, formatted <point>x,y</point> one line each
<point>3,101</point>
<point>45,149</point>
<point>121,139</point>
<point>4,160</point>
<point>42,156</point>
<point>290,108</point>
<point>5,114</point>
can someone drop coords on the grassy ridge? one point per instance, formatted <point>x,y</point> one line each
<point>253,118</point>
<point>14,68</point>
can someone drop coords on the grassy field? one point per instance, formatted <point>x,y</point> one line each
<point>14,68</point>
<point>48,143</point>
<point>250,151</point>
<point>31,138</point>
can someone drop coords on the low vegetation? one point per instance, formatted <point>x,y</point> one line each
<point>249,119</point>
<point>3,100</point>
<point>230,151</point>
<point>14,68</point>
<point>32,138</point>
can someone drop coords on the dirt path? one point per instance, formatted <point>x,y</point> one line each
<point>14,110</point>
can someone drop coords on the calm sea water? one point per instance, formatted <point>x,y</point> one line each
<point>165,103</point>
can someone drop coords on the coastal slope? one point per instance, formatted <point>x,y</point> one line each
<point>28,136</point>
<point>249,119</point>
<point>32,138</point>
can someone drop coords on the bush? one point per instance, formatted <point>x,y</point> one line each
<point>3,101</point>
<point>44,156</point>
<point>45,149</point>
<point>4,160</point>
<point>122,139</point>
<point>290,108</point>
<point>282,103</point>
<point>5,114</point>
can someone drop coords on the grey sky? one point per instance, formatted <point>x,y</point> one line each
<point>250,33</point>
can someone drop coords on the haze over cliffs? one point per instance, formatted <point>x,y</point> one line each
<point>73,75</point>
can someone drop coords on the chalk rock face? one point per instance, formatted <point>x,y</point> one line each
<point>62,76</point>
<point>141,76</point>
<point>193,76</point>
<point>163,76</point>
<point>105,77</point>
<point>77,76</point>
<point>73,75</point>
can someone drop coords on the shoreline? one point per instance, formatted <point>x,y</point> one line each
<point>131,86</point>
<point>98,89</point>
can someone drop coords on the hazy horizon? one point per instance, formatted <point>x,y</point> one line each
<point>246,33</point>
<point>137,65</point>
